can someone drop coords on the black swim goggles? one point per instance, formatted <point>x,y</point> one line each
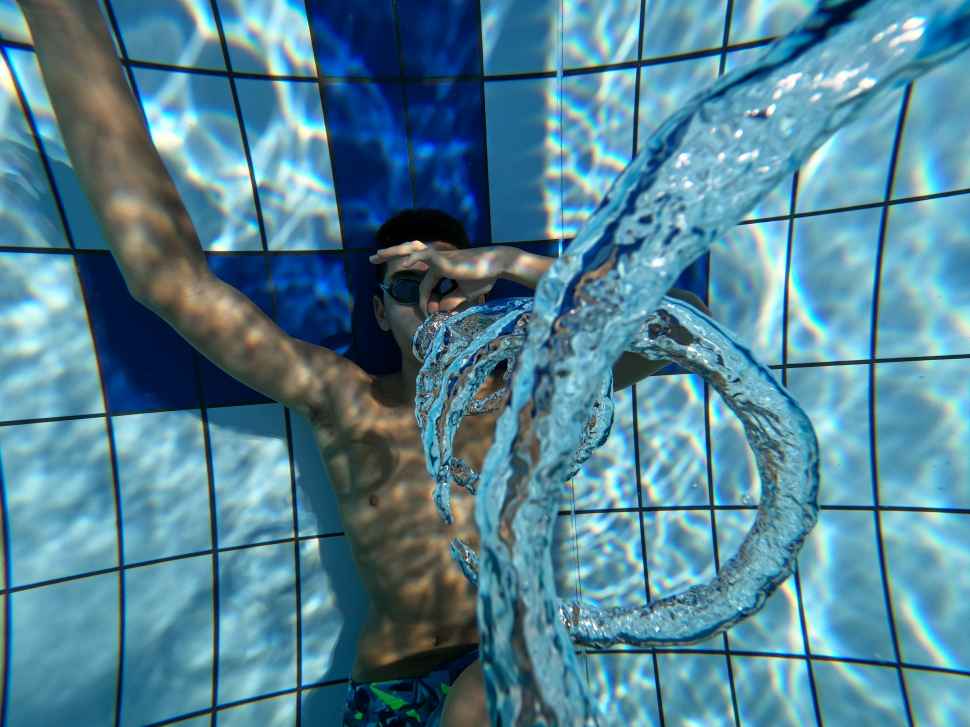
<point>405,287</point>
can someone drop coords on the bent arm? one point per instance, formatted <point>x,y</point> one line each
<point>134,199</point>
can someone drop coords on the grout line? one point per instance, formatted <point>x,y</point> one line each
<point>873,443</point>
<point>486,188</point>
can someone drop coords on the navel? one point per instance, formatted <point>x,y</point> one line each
<point>373,500</point>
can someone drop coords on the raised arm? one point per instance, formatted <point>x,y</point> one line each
<point>149,230</point>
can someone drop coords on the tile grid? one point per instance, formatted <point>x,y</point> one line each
<point>112,448</point>
<point>877,509</point>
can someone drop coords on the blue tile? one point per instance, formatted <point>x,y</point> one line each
<point>171,27</point>
<point>248,275</point>
<point>448,148</point>
<point>353,38</point>
<point>520,36</point>
<point>440,37</point>
<point>859,694</point>
<point>673,26</point>
<point>144,362</point>
<point>365,123</point>
<point>313,299</point>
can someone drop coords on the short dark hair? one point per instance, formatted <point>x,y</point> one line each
<point>419,224</point>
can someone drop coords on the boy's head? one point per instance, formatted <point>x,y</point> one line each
<point>432,227</point>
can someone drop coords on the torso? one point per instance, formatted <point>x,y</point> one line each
<point>423,607</point>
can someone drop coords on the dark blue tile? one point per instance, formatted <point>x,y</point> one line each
<point>313,299</point>
<point>248,274</point>
<point>448,149</point>
<point>365,124</point>
<point>354,38</point>
<point>440,37</point>
<point>144,362</point>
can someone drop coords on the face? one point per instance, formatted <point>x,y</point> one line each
<point>402,320</point>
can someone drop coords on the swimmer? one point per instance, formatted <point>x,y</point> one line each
<point>421,634</point>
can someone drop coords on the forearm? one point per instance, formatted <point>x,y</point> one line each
<point>130,190</point>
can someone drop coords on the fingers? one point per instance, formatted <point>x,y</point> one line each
<point>428,284</point>
<point>405,248</point>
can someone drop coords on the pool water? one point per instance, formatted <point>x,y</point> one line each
<point>171,545</point>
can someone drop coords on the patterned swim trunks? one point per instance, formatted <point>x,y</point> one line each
<point>410,702</point>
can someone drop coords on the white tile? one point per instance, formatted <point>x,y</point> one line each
<point>48,359</point>
<point>520,36</point>
<point>291,162</point>
<point>922,435</point>
<point>13,25</point>
<point>845,610</point>
<point>680,553</point>
<point>625,689</point>
<point>924,297</point>
<point>609,477</point>
<point>164,487</point>
<point>268,37</point>
<point>773,691</point>
<point>251,470</point>
<point>673,448</point>
<point>756,19</point>
<point>598,140</point>
<point>334,606</point>
<point>72,651</point>
<point>194,126</point>
<point>830,286</point>
<point>836,400</point>
<point>928,562</point>
<point>937,698</point>
<point>275,712</point>
<point>257,622</point>
<point>524,159</point>
<point>672,26</point>
<point>854,694</point>
<point>60,499</point>
<point>168,640</point>
<point>597,33</point>
<point>175,32</point>
<point>666,87</point>
<point>695,689</point>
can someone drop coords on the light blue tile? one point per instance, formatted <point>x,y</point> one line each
<point>836,400</point>
<point>625,688</point>
<point>937,698</point>
<point>853,694</point>
<point>194,126</point>
<point>747,286</point>
<point>935,146</point>
<point>271,38</point>
<point>673,449</point>
<point>596,33</point>
<point>524,159</point>
<point>671,26</point>
<point>291,162</point>
<point>520,36</point>
<point>29,217</point>
<point>48,359</point>
<point>275,712</point>
<point>830,286</point>
<point>334,606</point>
<point>316,500</point>
<point>257,622</point>
<point>695,689</point>
<point>928,561</point>
<point>845,611</point>
<point>175,32</point>
<point>773,691</point>
<point>251,470</point>
<point>922,435</point>
<point>666,87</point>
<point>756,19</point>
<point>924,298</point>
<point>64,654</point>
<point>680,553</point>
<point>776,627</point>
<point>609,477</point>
<point>598,140</point>
<point>853,165</point>
<point>164,484</point>
<point>13,26</point>
<point>168,640</point>
<point>60,499</point>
